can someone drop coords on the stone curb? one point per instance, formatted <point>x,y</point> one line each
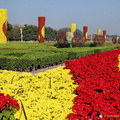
<point>44,69</point>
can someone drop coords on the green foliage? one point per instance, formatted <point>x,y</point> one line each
<point>11,46</point>
<point>9,27</point>
<point>7,114</point>
<point>14,110</point>
<point>14,33</point>
<point>79,32</point>
<point>4,118</point>
<point>89,44</point>
<point>30,32</point>
<point>12,117</point>
<point>26,60</point>
<point>32,56</point>
<point>1,115</point>
<point>50,34</point>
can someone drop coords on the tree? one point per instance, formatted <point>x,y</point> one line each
<point>79,32</point>
<point>30,32</point>
<point>50,33</point>
<point>14,33</point>
<point>111,35</point>
<point>9,27</point>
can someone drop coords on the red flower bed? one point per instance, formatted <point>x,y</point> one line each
<point>98,93</point>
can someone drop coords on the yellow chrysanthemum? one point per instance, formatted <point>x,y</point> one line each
<point>45,95</point>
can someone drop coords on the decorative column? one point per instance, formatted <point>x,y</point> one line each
<point>119,62</point>
<point>85,33</point>
<point>41,29</point>
<point>3,25</point>
<point>98,31</point>
<point>104,35</point>
<point>73,29</point>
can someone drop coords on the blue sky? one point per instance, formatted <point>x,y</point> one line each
<point>96,14</point>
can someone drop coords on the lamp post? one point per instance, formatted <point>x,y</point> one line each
<point>90,37</point>
<point>21,33</point>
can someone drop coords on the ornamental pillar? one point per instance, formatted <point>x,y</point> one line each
<point>3,25</point>
<point>41,29</point>
<point>73,29</point>
<point>98,31</point>
<point>85,33</point>
<point>104,35</point>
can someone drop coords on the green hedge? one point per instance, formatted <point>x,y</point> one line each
<point>31,59</point>
<point>11,46</point>
<point>78,52</point>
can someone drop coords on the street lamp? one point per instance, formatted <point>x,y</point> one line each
<point>21,33</point>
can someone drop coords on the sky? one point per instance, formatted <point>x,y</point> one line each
<point>96,14</point>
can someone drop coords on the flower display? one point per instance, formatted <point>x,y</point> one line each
<point>8,107</point>
<point>44,96</point>
<point>87,88</point>
<point>98,93</point>
<point>119,62</point>
<point>69,38</point>
<point>3,25</point>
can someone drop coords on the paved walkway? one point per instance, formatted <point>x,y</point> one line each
<point>44,69</point>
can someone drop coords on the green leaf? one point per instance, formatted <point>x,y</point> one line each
<point>4,118</point>
<point>1,115</point>
<point>14,110</point>
<point>12,117</point>
<point>6,113</point>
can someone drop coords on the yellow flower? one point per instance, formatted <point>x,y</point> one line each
<point>45,95</point>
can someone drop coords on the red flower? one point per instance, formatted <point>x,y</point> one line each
<point>6,102</point>
<point>98,92</point>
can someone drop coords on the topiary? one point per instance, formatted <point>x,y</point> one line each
<point>61,38</point>
<point>78,41</point>
<point>116,39</point>
<point>98,40</point>
<point>69,37</point>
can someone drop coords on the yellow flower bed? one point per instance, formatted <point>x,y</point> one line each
<point>45,96</point>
